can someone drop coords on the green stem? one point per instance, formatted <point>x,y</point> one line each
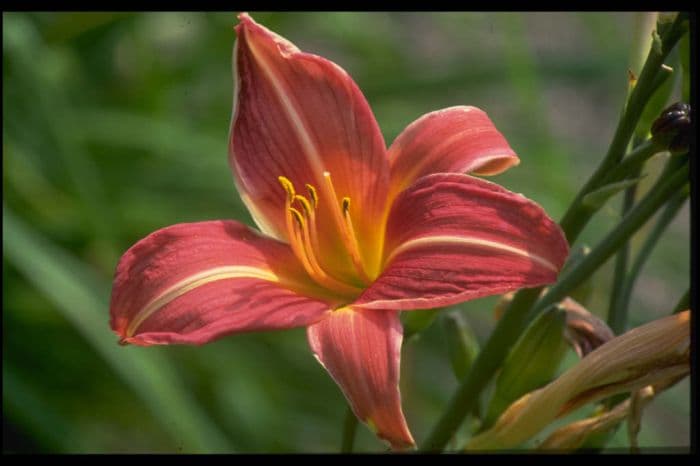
<point>574,220</point>
<point>672,208</point>
<point>487,362</point>
<point>683,303</point>
<point>516,316</point>
<point>617,309</point>
<point>632,163</point>
<point>657,196</point>
<point>349,429</point>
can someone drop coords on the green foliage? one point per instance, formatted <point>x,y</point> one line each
<point>596,199</point>
<point>532,362</point>
<point>462,344</point>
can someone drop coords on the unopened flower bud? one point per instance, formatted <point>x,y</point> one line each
<point>672,128</point>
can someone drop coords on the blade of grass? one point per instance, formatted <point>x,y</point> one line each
<point>83,303</point>
<point>25,408</point>
<point>26,53</point>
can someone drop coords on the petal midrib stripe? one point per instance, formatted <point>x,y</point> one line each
<point>195,281</point>
<point>292,114</point>
<point>470,241</point>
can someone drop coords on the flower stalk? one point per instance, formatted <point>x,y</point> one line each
<point>349,430</point>
<point>618,315</point>
<point>574,220</point>
<point>576,217</point>
<point>665,188</point>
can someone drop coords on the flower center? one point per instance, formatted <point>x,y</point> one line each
<point>303,232</point>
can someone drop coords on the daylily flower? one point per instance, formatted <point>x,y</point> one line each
<point>352,232</point>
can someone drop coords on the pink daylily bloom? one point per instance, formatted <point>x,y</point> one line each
<point>352,232</point>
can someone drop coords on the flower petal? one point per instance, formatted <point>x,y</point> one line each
<point>361,349</point>
<point>194,282</point>
<point>452,238</point>
<point>298,115</point>
<point>456,139</point>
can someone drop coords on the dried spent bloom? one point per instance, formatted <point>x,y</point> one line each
<point>584,331</point>
<point>573,435</point>
<point>655,353</point>
<point>351,232</point>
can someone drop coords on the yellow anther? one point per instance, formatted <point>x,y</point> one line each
<point>300,240</point>
<point>303,234</point>
<point>304,203</point>
<point>312,194</point>
<point>297,216</point>
<point>288,186</point>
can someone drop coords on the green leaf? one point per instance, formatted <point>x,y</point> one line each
<point>83,301</point>
<point>462,344</point>
<point>595,199</point>
<point>532,362</point>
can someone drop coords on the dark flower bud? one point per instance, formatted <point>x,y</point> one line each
<point>672,128</point>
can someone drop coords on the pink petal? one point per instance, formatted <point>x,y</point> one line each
<point>456,139</point>
<point>195,282</point>
<point>297,115</point>
<point>453,237</point>
<point>361,349</point>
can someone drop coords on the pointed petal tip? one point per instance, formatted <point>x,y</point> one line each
<point>244,19</point>
<point>397,440</point>
<point>361,351</point>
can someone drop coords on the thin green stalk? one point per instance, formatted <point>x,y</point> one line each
<point>683,303</point>
<point>672,208</point>
<point>617,309</point>
<point>657,196</point>
<point>487,362</point>
<point>632,162</point>
<point>574,220</point>
<point>624,280</point>
<point>518,314</point>
<point>349,429</point>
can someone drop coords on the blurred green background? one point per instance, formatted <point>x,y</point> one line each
<point>115,125</point>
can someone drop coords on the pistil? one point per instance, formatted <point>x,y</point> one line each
<point>347,232</point>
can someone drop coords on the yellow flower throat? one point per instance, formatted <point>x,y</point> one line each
<point>302,230</point>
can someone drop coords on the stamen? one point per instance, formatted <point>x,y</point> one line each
<point>311,262</point>
<point>303,235</point>
<point>288,186</point>
<point>304,203</point>
<point>353,238</point>
<point>297,243</point>
<point>312,194</point>
<point>345,227</point>
<point>297,216</point>
<point>311,220</point>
